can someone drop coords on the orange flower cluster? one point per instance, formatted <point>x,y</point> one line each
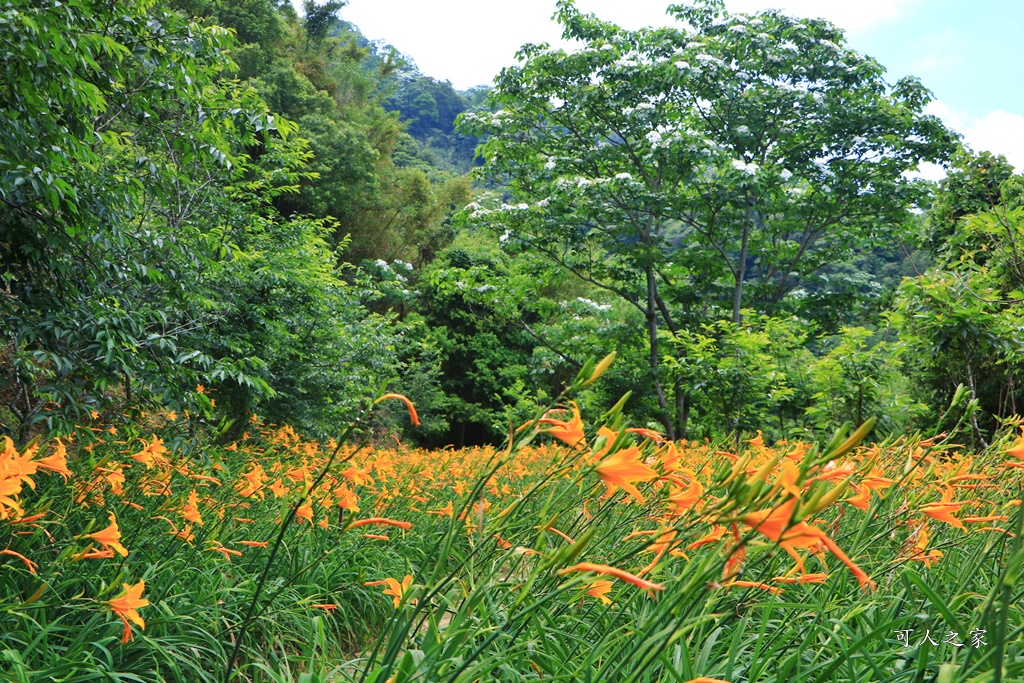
<point>17,470</point>
<point>681,500</point>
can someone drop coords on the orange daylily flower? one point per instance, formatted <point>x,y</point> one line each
<point>357,476</point>
<point>305,511</point>
<point>830,472</point>
<point>561,534</point>
<point>787,480</point>
<point>16,467</point>
<point>223,550</point>
<point>775,524</point>
<point>875,480</point>
<point>863,498</point>
<point>9,488</point>
<point>190,511</point>
<point>945,510</point>
<point>255,544</point>
<point>774,590</point>
<point>805,578</point>
<point>614,572</point>
<point>1017,449</point>
<point>254,482</point>
<point>326,608</point>
<point>124,607</point>
<point>90,554</point>
<point>665,543</point>
<point>447,510</point>
<point>986,518</point>
<point>682,500</point>
<point>413,417</point>
<point>918,554</point>
<point>379,520</point>
<point>279,489</point>
<point>599,589</point>
<point>57,461</point>
<point>394,589</point>
<point>568,431</point>
<point>347,498</point>
<point>110,538</point>
<point>152,454</point>
<point>28,563</point>
<point>705,679</point>
<point>654,436</point>
<point>714,536</point>
<point>621,469</point>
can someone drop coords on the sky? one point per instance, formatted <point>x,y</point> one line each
<point>967,52</point>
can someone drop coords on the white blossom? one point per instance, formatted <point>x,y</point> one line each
<point>746,167</point>
<point>708,59</point>
<point>593,304</point>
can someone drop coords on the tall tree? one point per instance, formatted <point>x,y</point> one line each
<point>962,318</point>
<point>696,171</point>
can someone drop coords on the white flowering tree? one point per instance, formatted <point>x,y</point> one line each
<point>700,170</point>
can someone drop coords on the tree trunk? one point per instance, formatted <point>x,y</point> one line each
<point>682,410</point>
<point>652,333</point>
<point>741,271</point>
<point>974,395</point>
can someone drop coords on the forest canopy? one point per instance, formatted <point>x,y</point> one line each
<point>269,207</point>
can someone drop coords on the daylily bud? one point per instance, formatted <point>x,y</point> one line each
<point>828,498</point>
<point>599,369</point>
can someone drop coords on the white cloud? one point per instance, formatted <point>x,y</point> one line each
<point>999,132</point>
<point>469,41</point>
<point>847,14</point>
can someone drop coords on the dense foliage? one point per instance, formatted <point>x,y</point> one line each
<point>234,196</point>
<point>228,230</point>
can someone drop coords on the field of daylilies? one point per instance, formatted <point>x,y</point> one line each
<point>143,551</point>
